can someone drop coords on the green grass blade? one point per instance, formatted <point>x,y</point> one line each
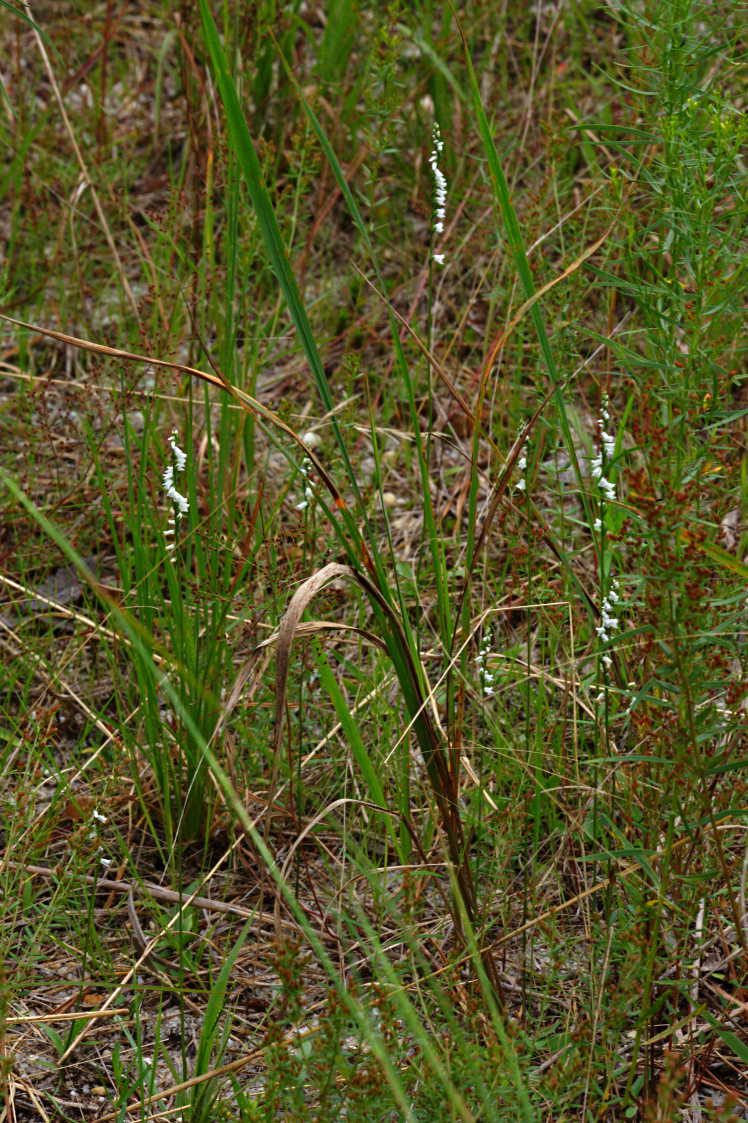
<point>355,740</point>
<point>246,155</point>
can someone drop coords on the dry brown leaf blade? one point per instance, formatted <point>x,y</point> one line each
<point>287,629</point>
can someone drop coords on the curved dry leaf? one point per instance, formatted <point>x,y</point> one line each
<point>315,627</point>
<point>287,629</point>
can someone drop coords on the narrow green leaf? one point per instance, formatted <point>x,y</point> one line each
<point>738,1046</point>
<point>355,740</point>
<point>241,142</point>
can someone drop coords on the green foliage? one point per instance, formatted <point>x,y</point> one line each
<point>467,828</point>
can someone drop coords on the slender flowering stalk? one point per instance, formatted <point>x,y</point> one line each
<point>308,490</point>
<point>609,622</point>
<point>599,462</point>
<point>180,503</point>
<point>487,677</point>
<point>440,187</point>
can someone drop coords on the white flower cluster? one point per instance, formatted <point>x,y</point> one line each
<point>440,187</point>
<point>609,623</point>
<point>181,504</point>
<point>99,818</point>
<point>599,462</point>
<point>308,490</point>
<point>487,677</point>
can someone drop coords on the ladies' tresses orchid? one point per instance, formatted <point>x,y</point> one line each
<point>180,503</point>
<point>440,188</point>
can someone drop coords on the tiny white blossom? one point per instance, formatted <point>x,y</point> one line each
<point>609,488</point>
<point>180,456</point>
<point>521,484</point>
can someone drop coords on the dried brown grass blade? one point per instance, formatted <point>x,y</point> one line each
<point>318,627</point>
<point>287,629</point>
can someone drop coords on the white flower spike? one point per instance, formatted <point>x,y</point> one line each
<point>599,462</point>
<point>440,187</point>
<point>304,469</point>
<point>181,503</point>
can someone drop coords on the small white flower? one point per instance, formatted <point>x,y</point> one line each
<point>521,484</point>
<point>99,817</point>
<point>180,456</point>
